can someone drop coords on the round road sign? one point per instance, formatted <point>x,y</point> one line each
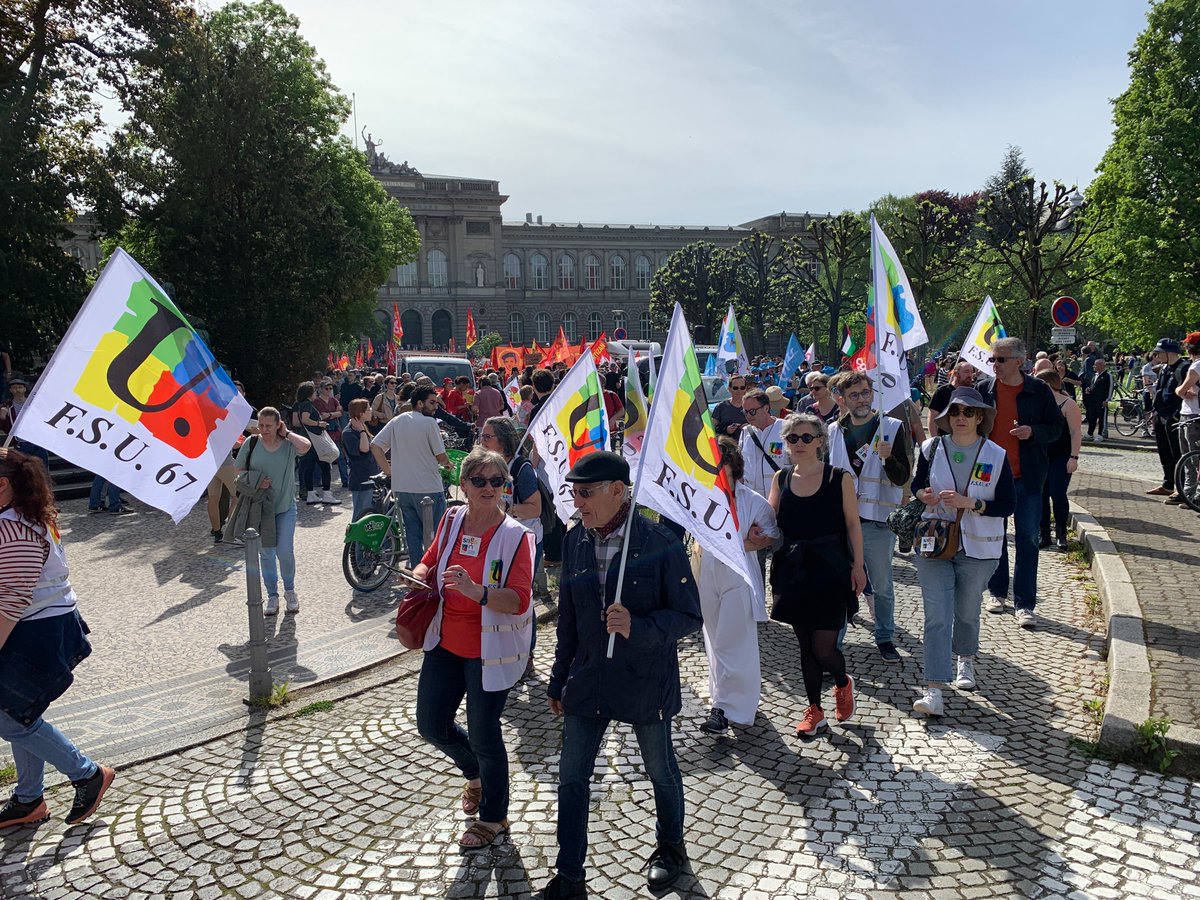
<point>620,334</point>
<point>1065,311</point>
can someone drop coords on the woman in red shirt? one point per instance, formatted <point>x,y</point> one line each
<point>481,562</point>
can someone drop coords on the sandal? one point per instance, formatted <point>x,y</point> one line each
<point>470,799</point>
<point>484,834</point>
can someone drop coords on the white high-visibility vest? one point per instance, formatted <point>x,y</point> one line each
<point>877,496</point>
<point>982,536</point>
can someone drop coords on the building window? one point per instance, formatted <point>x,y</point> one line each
<point>566,273</point>
<point>438,280</point>
<point>516,328</point>
<point>570,327</point>
<point>542,323</point>
<point>410,322</point>
<point>406,277</point>
<point>539,272</point>
<point>479,227</point>
<point>641,273</point>
<point>443,329</point>
<point>595,325</point>
<point>644,324</point>
<point>512,271</point>
<point>591,273</point>
<point>617,277</point>
<point>619,321</point>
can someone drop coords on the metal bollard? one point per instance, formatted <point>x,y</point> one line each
<point>260,672</point>
<point>426,523</point>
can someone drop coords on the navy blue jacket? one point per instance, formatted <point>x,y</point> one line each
<point>1037,408</point>
<point>36,663</point>
<point>640,684</point>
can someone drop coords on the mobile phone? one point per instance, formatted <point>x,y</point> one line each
<point>408,577</point>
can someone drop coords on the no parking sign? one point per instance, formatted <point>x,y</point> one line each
<point>1065,311</point>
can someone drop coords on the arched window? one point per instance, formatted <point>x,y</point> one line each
<point>512,271</point>
<point>595,325</point>
<point>591,273</point>
<point>443,329</point>
<point>406,277</point>
<point>570,327</point>
<point>516,328</point>
<point>542,323</point>
<point>617,276</point>
<point>644,324</point>
<point>641,273</point>
<point>566,273</point>
<point>619,320</point>
<point>539,272</point>
<point>438,279</point>
<point>410,322</point>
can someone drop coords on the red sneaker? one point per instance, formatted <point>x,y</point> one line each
<point>813,721</point>
<point>843,700</point>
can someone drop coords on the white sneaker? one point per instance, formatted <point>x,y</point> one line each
<point>966,674</point>
<point>1026,618</point>
<point>1099,439</point>
<point>313,497</point>
<point>995,604</point>
<point>327,497</point>
<point>271,607</point>
<point>293,602</point>
<point>930,703</point>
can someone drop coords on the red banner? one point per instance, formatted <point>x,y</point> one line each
<point>471,336</point>
<point>393,360</point>
<point>506,357</point>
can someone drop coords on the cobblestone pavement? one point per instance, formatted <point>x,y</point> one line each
<point>988,801</point>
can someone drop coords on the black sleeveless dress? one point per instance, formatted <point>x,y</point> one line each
<point>810,573</point>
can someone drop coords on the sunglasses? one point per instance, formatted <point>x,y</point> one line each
<point>967,412</point>
<point>495,481</point>
<point>1000,359</point>
<point>796,438</point>
<point>587,493</point>
<point>740,387</point>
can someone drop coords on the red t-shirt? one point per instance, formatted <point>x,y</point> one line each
<point>462,617</point>
<point>1006,421</point>
<point>454,401</point>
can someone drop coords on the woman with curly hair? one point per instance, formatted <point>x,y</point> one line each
<point>42,638</point>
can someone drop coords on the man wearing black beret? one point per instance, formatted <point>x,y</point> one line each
<point>639,685</point>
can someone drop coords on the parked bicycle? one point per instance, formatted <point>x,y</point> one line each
<point>1187,474</point>
<point>1130,416</point>
<point>374,544</point>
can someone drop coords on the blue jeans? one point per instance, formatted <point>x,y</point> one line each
<point>581,739</point>
<point>343,465</point>
<point>879,542</point>
<point>37,745</point>
<point>310,465</point>
<point>952,591</point>
<point>360,503</point>
<point>1058,479</point>
<point>282,557</point>
<point>96,498</point>
<point>479,750</point>
<point>410,512</point>
<point>1027,521</point>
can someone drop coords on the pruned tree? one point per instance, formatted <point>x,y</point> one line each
<point>700,278</point>
<point>760,285</point>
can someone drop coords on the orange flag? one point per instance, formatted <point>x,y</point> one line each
<point>471,336</point>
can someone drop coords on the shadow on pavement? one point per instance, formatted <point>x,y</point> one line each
<point>501,863</point>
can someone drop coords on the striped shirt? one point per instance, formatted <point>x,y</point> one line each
<point>23,553</point>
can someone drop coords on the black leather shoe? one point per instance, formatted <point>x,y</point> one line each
<point>665,864</point>
<point>561,888</point>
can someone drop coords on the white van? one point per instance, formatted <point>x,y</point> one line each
<point>438,368</point>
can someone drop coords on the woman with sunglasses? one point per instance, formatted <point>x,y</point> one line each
<point>481,565</point>
<point>817,574</point>
<point>820,401</point>
<point>963,474</point>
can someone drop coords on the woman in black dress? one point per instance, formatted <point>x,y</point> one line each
<point>818,572</point>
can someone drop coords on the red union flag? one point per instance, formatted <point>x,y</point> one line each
<point>471,336</point>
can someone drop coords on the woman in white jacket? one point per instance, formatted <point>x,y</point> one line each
<point>732,608</point>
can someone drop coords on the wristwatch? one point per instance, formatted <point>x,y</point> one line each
<point>483,599</point>
<point>979,505</point>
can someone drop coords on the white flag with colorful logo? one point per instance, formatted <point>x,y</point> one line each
<point>636,410</point>
<point>569,425</point>
<point>134,395</point>
<point>889,271</point>
<point>885,329</point>
<point>680,473</point>
<point>512,393</point>
<point>732,346</point>
<point>977,348</point>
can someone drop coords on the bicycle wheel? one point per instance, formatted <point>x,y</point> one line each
<point>1127,418</point>
<point>368,570</point>
<point>1187,479</point>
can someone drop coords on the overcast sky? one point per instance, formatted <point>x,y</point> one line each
<point>711,112</point>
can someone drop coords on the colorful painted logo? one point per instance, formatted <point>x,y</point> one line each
<point>775,448</point>
<point>153,369</point>
<point>494,574</point>
<point>582,421</point>
<point>982,473</point>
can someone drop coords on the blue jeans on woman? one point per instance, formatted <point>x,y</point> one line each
<point>96,498</point>
<point>310,464</point>
<point>360,503</point>
<point>280,559</point>
<point>36,745</point>
<point>581,739</point>
<point>952,591</point>
<point>479,750</point>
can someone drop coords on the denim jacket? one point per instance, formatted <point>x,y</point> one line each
<point>36,663</point>
<point>640,684</point>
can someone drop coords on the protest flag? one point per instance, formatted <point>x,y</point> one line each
<point>636,410</point>
<point>977,348</point>
<point>732,346</point>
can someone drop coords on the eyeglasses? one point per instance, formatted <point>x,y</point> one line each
<point>588,493</point>
<point>751,410</point>
<point>967,412</point>
<point>859,395</point>
<point>327,387</point>
<point>1000,359</point>
<point>495,481</point>
<point>796,438</point>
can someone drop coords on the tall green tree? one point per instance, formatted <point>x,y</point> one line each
<point>242,195</point>
<point>700,278</point>
<point>760,285</point>
<point>1149,182</point>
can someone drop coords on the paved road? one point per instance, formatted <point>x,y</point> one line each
<point>988,801</point>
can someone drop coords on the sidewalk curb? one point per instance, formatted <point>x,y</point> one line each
<point>1129,681</point>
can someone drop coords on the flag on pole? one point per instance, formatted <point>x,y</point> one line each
<point>889,368</point>
<point>600,349</point>
<point>358,357</point>
<point>710,366</point>
<point>910,327</point>
<point>569,425</point>
<point>731,346</point>
<point>636,409</point>
<point>471,336</point>
<point>679,470</point>
<point>371,351</point>
<point>848,345</point>
<point>450,346</point>
<point>394,344</point>
<point>653,377</point>
<point>344,361</point>
<point>512,393</point>
<point>810,355</point>
<point>977,348</point>
<point>791,361</point>
<point>134,394</point>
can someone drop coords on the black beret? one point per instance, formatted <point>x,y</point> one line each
<point>603,465</point>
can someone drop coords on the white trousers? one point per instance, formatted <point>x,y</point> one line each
<point>731,642</point>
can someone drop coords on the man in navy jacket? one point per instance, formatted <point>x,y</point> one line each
<point>639,685</point>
